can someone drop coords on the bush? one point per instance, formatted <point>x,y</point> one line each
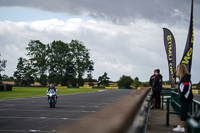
<point>125,81</point>
<point>145,84</point>
<point>136,83</point>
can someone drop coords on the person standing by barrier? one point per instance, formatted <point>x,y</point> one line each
<point>185,94</point>
<point>151,82</point>
<point>158,88</point>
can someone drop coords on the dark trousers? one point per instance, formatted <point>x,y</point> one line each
<point>157,99</point>
<point>184,109</point>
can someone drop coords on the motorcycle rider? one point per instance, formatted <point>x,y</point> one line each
<point>52,88</point>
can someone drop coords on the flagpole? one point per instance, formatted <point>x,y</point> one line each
<point>187,55</point>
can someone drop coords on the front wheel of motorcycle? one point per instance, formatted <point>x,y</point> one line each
<point>51,103</point>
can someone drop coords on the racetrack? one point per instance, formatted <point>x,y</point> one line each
<point>35,115</point>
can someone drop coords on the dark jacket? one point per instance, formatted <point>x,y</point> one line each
<point>185,89</point>
<point>54,89</point>
<point>158,83</point>
<point>152,79</point>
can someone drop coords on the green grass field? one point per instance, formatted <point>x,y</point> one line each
<point>28,92</point>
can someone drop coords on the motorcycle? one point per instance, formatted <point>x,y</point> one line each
<point>52,98</point>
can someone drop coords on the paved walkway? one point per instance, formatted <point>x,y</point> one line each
<point>157,120</point>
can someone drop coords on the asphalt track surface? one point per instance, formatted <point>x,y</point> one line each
<point>35,115</point>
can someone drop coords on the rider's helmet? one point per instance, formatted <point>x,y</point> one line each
<point>51,86</point>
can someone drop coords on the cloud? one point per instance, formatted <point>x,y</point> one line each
<point>135,49</point>
<point>174,12</point>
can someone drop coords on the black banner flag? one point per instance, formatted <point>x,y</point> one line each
<point>170,47</point>
<point>187,55</point>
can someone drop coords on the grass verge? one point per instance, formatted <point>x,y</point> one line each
<point>28,92</point>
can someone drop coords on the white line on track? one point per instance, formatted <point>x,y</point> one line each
<point>10,105</point>
<point>20,131</point>
<point>44,118</point>
<point>31,130</point>
<point>52,110</point>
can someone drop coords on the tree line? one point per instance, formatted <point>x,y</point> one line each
<point>60,63</point>
<point>56,62</point>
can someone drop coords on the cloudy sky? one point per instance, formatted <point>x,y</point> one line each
<point>124,37</point>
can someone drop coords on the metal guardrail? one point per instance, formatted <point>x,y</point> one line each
<point>194,106</point>
<point>164,93</point>
<point>176,107</point>
<point>192,125</point>
<point>115,118</point>
<point>140,123</point>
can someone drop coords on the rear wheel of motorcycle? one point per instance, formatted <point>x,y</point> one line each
<point>54,106</point>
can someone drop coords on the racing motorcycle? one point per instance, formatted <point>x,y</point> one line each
<point>52,98</point>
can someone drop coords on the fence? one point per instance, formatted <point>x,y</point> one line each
<point>173,100</point>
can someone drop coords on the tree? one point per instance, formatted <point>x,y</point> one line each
<point>43,79</point>
<point>136,82</point>
<point>80,60</point>
<point>145,84</point>
<point>59,61</point>
<point>2,67</point>
<point>198,85</point>
<point>37,53</point>
<point>89,75</point>
<point>7,78</point>
<point>125,81</point>
<point>68,62</point>
<point>24,74</point>
<point>104,79</point>
<point>2,64</point>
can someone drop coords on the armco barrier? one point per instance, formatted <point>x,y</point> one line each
<point>73,87</point>
<point>115,118</point>
<point>196,92</point>
<point>98,87</point>
<point>82,87</point>
<point>112,88</point>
